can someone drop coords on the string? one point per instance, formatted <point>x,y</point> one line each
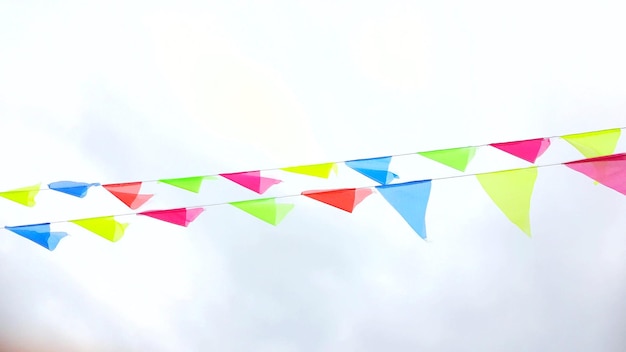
<point>330,162</point>
<point>204,206</point>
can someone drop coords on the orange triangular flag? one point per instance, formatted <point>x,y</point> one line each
<point>128,193</point>
<point>345,199</point>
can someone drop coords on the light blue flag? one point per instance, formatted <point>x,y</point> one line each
<point>410,200</point>
<point>40,234</point>
<point>375,168</point>
<point>76,189</point>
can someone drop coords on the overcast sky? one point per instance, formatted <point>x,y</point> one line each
<point>143,90</point>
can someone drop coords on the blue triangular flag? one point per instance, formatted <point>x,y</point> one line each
<point>410,200</point>
<point>375,168</point>
<point>40,234</point>
<point>76,189</point>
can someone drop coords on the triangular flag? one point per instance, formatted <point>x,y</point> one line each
<point>76,189</point>
<point>511,191</point>
<point>181,217</point>
<point>607,170</point>
<point>317,170</point>
<point>128,193</point>
<point>191,184</point>
<point>106,227</point>
<point>594,144</point>
<point>40,234</point>
<point>456,158</point>
<point>345,199</point>
<point>376,169</point>
<point>25,196</point>
<point>528,150</point>
<point>265,209</point>
<point>410,200</point>
<point>252,180</point>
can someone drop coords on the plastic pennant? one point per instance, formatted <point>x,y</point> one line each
<point>607,170</point>
<point>376,169</point>
<point>40,234</point>
<point>265,209</point>
<point>528,150</point>
<point>252,180</point>
<point>191,184</point>
<point>456,158</point>
<point>410,200</point>
<point>106,227</point>
<point>181,217</point>
<point>25,196</point>
<point>128,193</point>
<point>511,191</point>
<point>595,144</point>
<point>76,189</point>
<point>317,170</point>
<point>345,199</point>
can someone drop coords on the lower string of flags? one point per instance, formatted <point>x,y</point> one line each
<point>510,190</point>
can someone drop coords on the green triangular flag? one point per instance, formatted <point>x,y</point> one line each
<point>595,144</point>
<point>456,158</point>
<point>191,184</point>
<point>512,190</point>
<point>106,227</point>
<point>265,209</point>
<point>25,196</point>
<point>317,170</point>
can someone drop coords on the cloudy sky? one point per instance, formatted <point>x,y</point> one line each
<point>142,90</point>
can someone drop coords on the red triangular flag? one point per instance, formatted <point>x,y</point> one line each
<point>345,199</point>
<point>181,216</point>
<point>128,193</point>
<point>252,180</point>
<point>608,170</point>
<point>528,150</point>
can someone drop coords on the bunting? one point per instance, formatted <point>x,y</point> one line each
<point>410,200</point>
<point>594,144</point>
<point>607,170</point>
<point>76,189</point>
<point>25,196</point>
<point>317,170</point>
<point>252,180</point>
<point>376,169</point>
<point>128,193</point>
<point>265,209</point>
<point>456,158</point>
<point>511,191</point>
<point>528,150</point>
<point>181,217</point>
<point>40,234</point>
<point>345,199</point>
<point>106,227</point>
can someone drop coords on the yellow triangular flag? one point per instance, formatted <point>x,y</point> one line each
<point>106,227</point>
<point>317,170</point>
<point>594,144</point>
<point>25,196</point>
<point>511,190</point>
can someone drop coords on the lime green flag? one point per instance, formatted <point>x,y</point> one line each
<point>456,158</point>
<point>25,196</point>
<point>512,190</point>
<point>265,209</point>
<point>106,227</point>
<point>317,170</point>
<point>594,144</point>
<point>191,184</point>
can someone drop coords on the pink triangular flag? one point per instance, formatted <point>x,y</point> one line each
<point>608,170</point>
<point>528,150</point>
<point>252,180</point>
<point>181,216</point>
